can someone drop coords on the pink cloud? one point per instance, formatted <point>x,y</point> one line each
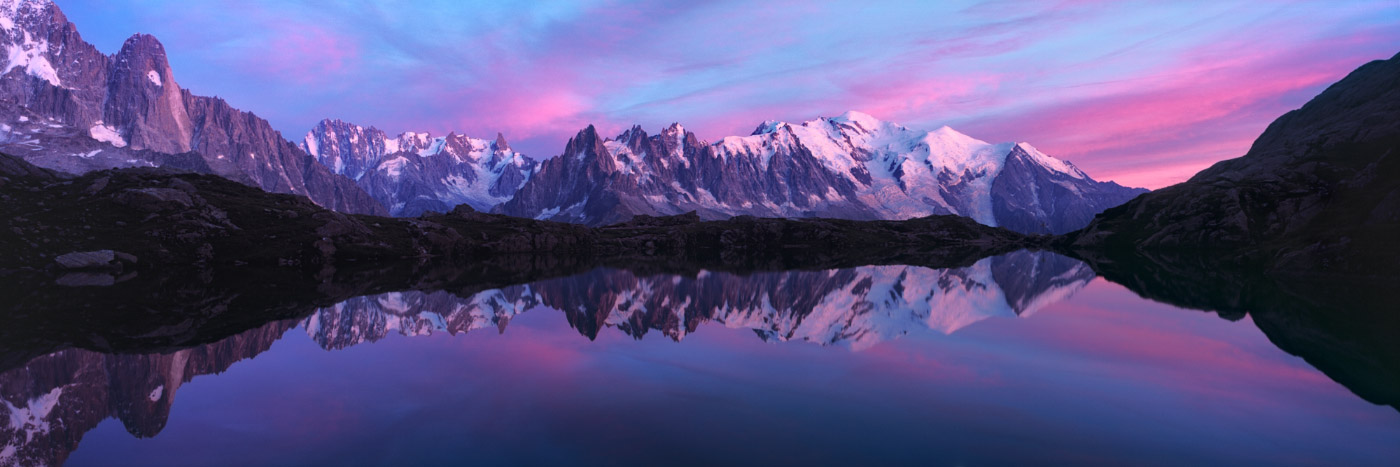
<point>1208,106</point>
<point>306,54</point>
<point>1145,94</point>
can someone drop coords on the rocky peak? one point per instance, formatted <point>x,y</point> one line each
<point>635,139</point>
<point>501,144</point>
<point>144,103</point>
<point>459,146</point>
<point>144,57</point>
<point>674,139</point>
<point>585,143</point>
<point>769,126</point>
<point>674,129</point>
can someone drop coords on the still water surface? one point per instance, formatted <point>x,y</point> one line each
<point>1020,358</point>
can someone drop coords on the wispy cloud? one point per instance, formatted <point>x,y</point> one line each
<point>1145,93</point>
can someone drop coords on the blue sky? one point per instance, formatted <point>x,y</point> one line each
<point>1145,93</point>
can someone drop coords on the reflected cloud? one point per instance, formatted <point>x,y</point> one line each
<point>50,402</point>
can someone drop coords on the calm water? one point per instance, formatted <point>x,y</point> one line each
<point>1026,357</point>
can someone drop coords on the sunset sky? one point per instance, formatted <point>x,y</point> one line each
<point>1142,93</point>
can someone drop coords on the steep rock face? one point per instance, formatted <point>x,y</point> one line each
<point>852,166</point>
<point>416,172</point>
<point>144,103</point>
<point>74,109</point>
<point>1319,189</point>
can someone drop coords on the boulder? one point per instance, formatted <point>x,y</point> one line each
<point>87,259</point>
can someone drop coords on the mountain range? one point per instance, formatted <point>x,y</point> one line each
<point>415,172</point>
<point>852,167</point>
<point>74,109</point>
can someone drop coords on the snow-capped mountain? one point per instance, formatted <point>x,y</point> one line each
<point>852,166</point>
<point>72,108</point>
<point>416,172</point>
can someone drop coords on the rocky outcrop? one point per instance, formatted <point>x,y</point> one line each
<point>74,109</point>
<point>100,259</point>
<point>1319,191</point>
<point>850,167</point>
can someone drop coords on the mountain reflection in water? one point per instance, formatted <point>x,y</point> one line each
<point>52,401</point>
<point>858,307</point>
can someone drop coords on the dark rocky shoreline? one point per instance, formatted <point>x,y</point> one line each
<point>160,219</point>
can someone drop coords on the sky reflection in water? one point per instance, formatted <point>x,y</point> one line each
<point>1101,376</point>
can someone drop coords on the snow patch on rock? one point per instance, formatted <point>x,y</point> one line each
<point>107,135</point>
<point>32,418</point>
<point>29,54</point>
